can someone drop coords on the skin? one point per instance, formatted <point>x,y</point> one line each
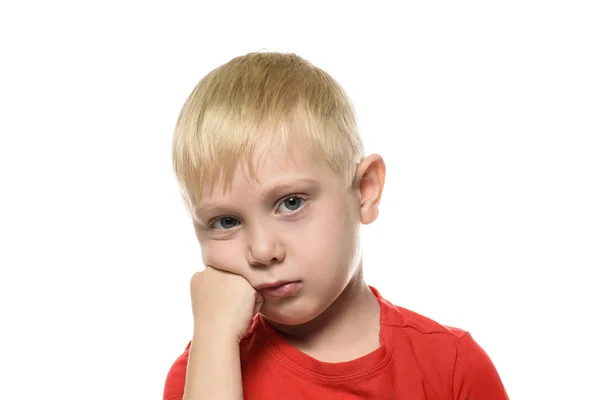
<point>297,222</point>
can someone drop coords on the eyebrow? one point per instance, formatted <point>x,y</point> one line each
<point>276,190</point>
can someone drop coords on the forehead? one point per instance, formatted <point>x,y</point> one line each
<point>274,165</point>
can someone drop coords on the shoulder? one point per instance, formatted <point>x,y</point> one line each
<point>422,325</point>
<point>175,382</point>
<point>475,375</point>
<point>433,346</point>
<point>448,356</point>
<point>417,326</point>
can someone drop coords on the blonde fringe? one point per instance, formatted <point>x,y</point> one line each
<point>253,98</point>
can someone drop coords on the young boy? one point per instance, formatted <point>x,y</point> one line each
<point>271,166</point>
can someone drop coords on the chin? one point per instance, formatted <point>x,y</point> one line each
<point>290,313</point>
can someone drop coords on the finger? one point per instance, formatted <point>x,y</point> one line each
<point>259,301</point>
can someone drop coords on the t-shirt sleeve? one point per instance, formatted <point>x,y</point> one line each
<point>475,376</point>
<point>175,382</point>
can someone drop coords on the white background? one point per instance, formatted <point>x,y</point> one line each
<point>487,114</point>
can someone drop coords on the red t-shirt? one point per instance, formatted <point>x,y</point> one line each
<point>417,359</point>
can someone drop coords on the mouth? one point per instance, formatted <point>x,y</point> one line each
<point>279,289</point>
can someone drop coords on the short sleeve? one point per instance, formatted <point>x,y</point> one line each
<point>475,376</point>
<point>175,382</point>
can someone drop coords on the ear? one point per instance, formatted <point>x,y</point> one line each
<point>370,178</point>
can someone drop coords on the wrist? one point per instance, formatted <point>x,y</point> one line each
<point>215,337</point>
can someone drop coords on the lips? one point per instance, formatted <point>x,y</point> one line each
<point>279,289</point>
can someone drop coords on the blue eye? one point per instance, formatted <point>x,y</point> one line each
<point>225,223</point>
<point>291,204</point>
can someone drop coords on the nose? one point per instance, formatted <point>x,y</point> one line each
<point>264,248</point>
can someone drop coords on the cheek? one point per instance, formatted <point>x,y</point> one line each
<point>329,239</point>
<point>223,255</point>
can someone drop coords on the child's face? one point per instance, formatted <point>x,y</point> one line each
<point>300,223</point>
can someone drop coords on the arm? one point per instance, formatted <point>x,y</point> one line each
<point>223,305</point>
<point>213,370</point>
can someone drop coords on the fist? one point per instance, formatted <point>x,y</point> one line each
<point>223,303</point>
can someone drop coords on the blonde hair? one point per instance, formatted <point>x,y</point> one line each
<point>257,97</point>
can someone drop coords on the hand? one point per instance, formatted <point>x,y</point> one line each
<point>223,303</point>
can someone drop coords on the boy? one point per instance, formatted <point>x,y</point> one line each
<point>272,170</point>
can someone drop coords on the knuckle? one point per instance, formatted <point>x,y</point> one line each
<point>196,278</point>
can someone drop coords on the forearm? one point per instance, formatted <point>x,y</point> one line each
<point>214,370</point>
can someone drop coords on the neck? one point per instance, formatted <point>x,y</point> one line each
<point>353,317</point>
